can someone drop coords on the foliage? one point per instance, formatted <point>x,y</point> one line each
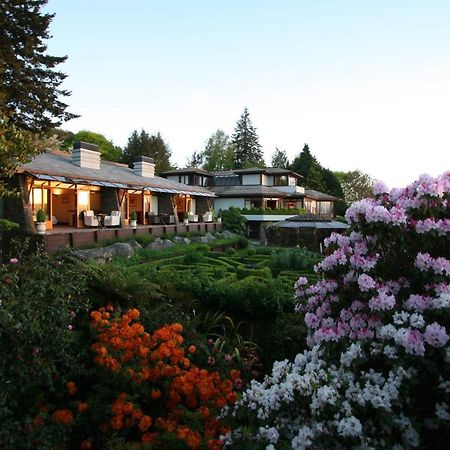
<point>41,300</point>
<point>7,225</point>
<point>195,160</point>
<point>294,259</point>
<point>40,216</point>
<point>377,373</point>
<point>247,150</point>
<point>17,146</point>
<point>218,153</point>
<point>356,185</point>
<point>309,168</point>
<point>133,215</point>
<point>106,147</point>
<point>30,87</point>
<point>280,159</point>
<point>153,146</point>
<point>127,288</point>
<point>233,220</point>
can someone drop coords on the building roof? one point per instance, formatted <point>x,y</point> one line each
<point>187,170</point>
<point>247,191</point>
<point>310,221</point>
<point>59,164</point>
<point>316,195</point>
<point>267,171</point>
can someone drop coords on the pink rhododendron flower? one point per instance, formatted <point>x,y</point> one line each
<point>436,335</point>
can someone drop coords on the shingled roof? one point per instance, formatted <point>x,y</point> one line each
<point>246,191</point>
<point>59,164</point>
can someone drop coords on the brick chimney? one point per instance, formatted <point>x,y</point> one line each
<point>144,166</point>
<point>86,155</point>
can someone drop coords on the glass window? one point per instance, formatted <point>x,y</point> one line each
<point>280,180</point>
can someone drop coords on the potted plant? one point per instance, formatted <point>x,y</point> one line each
<point>186,218</point>
<point>219,216</point>
<point>40,221</point>
<point>133,219</point>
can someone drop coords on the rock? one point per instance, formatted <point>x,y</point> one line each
<point>104,254</point>
<point>160,244</point>
<point>135,244</point>
<point>228,234</point>
<point>181,240</point>
<point>209,237</point>
<point>122,249</point>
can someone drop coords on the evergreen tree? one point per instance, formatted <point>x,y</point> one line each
<point>31,93</point>
<point>307,165</point>
<point>248,151</point>
<point>218,153</point>
<point>108,150</point>
<point>195,160</point>
<point>333,187</point>
<point>280,159</point>
<point>145,145</point>
<point>30,97</point>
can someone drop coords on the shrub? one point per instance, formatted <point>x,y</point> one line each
<point>42,300</point>
<point>41,216</point>
<point>377,373</point>
<point>233,220</point>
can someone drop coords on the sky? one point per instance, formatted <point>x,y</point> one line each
<point>365,83</point>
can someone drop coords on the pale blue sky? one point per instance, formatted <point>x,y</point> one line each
<point>365,83</point>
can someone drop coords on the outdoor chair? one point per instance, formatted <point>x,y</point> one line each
<point>113,220</point>
<point>90,219</point>
<point>193,217</point>
<point>208,217</point>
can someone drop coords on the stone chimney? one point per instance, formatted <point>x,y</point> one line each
<point>144,166</point>
<point>86,155</point>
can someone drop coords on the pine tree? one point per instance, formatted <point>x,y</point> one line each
<point>248,151</point>
<point>195,160</point>
<point>31,93</point>
<point>280,159</point>
<point>309,168</point>
<point>145,145</point>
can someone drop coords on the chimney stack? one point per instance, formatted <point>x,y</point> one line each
<point>144,166</point>
<point>86,155</point>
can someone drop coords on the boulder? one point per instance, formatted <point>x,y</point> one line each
<point>181,240</point>
<point>104,254</point>
<point>122,249</point>
<point>135,244</point>
<point>228,234</point>
<point>160,244</point>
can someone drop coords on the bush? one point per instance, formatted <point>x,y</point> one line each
<point>378,370</point>
<point>42,300</point>
<point>233,220</point>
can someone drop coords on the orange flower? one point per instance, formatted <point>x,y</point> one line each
<point>155,393</point>
<point>71,387</point>
<point>82,406</point>
<point>145,423</point>
<point>86,445</point>
<point>64,416</point>
<point>192,349</point>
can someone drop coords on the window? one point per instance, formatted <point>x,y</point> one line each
<point>40,200</point>
<point>280,180</point>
